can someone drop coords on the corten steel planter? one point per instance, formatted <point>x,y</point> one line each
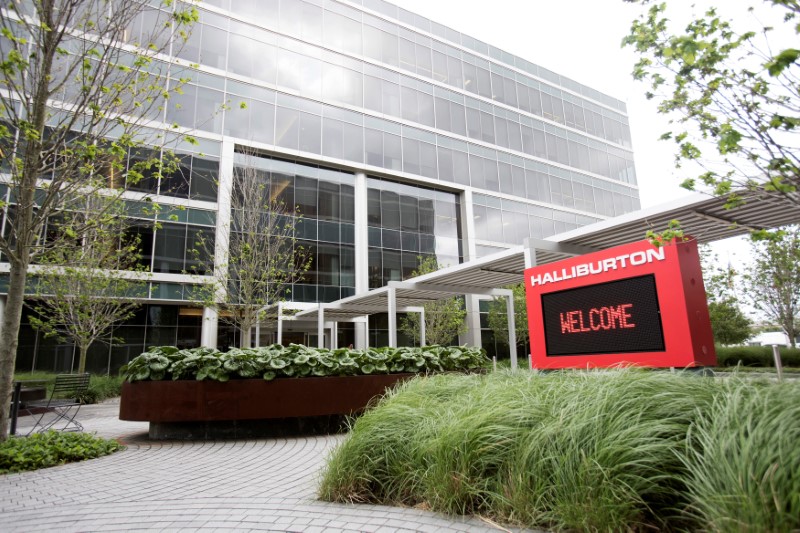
<point>251,399</point>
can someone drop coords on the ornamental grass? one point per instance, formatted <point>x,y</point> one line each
<point>586,451</point>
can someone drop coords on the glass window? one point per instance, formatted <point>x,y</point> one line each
<point>373,97</point>
<point>497,87</point>
<point>199,248</point>
<point>329,201</point>
<point>262,121</point>
<point>175,181</point>
<point>181,107</point>
<point>305,196</point>
<point>445,156</point>
<point>408,60</point>
<point>476,172</point>
<point>442,111</point>
<point>459,121</point>
<point>392,266</point>
<point>390,209</point>
<point>424,62</point>
<point>506,183</point>
<point>411,162</point>
<point>461,167</point>
<point>425,103</point>
<point>427,156</point>
<point>372,42</point>
<point>287,128</point>
<point>203,181</point>
<point>473,123</point>
<point>487,127</point>
<point>374,207</point>
<point>490,171</point>
<point>214,47</point>
<point>501,130</point>
<point>142,172</point>
<point>509,92</point>
<point>170,244</point>
<point>514,136</point>
<point>373,144</point>
<point>439,67</point>
<point>392,154</point>
<point>310,133</point>
<point>389,49</point>
<point>354,143</point>
<point>332,138</point>
<point>409,213</point>
<point>391,238</point>
<point>484,83</point>
<point>518,179</point>
<point>470,73</point>
<point>408,99</point>
<point>454,74</point>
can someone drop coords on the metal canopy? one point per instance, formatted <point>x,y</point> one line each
<point>701,216</point>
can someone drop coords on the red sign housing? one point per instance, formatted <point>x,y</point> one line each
<point>634,304</point>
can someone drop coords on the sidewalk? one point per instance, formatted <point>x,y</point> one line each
<point>258,485</point>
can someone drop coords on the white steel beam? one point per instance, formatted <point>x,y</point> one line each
<point>392,309</point>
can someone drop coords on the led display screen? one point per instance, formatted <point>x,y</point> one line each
<point>621,316</point>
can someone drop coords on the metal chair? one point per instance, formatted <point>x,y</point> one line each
<point>64,403</point>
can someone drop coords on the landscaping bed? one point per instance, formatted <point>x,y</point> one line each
<point>275,390</point>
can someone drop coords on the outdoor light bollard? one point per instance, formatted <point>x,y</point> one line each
<point>776,353</point>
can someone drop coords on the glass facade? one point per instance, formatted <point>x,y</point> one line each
<point>406,224</point>
<point>364,113</point>
<point>372,90</point>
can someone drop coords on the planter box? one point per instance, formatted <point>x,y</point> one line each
<point>210,409</point>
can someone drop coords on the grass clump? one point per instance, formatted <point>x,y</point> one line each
<point>51,448</point>
<point>579,451</point>
<point>743,461</point>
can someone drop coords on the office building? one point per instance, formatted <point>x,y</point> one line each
<point>395,136</point>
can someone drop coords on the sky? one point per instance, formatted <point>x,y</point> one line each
<point>581,39</point>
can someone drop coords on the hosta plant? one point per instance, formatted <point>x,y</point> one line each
<point>275,361</point>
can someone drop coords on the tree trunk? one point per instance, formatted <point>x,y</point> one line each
<point>8,340</point>
<point>83,349</point>
<point>244,336</point>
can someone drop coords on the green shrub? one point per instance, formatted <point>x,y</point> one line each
<point>102,388</point>
<point>41,450</point>
<point>756,356</point>
<point>743,463</point>
<point>276,361</point>
<point>574,451</point>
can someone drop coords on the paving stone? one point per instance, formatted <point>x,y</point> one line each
<point>225,485</point>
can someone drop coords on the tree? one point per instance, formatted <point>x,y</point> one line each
<point>772,282</point>
<point>73,104</point>
<point>728,323</point>
<point>80,289</point>
<point>263,259</point>
<point>498,317</point>
<point>727,92</point>
<point>444,319</point>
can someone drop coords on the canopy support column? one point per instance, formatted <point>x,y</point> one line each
<point>321,326</point>
<point>392,300</point>
<point>512,331</point>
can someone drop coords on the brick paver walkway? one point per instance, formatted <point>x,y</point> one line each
<point>264,484</point>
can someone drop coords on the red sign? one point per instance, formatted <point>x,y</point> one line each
<point>633,304</point>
